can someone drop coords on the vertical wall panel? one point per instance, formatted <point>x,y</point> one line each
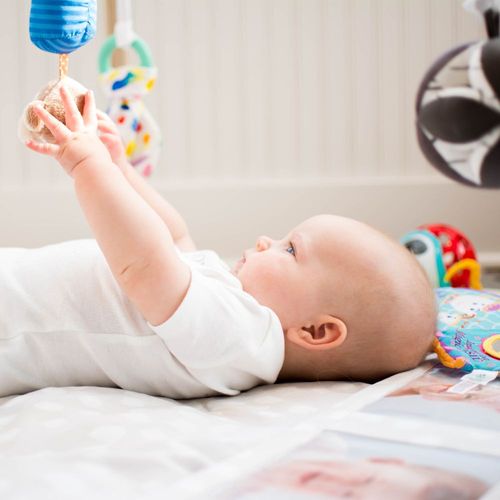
<point>418,46</point>
<point>255,100</point>
<point>11,170</point>
<point>338,120</point>
<point>199,78</point>
<point>269,96</point>
<point>311,77</point>
<point>170,94</point>
<point>365,85</point>
<point>227,86</point>
<point>392,76</point>
<point>252,89</point>
<point>284,88</point>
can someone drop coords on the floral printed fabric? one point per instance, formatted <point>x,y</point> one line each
<point>469,327</point>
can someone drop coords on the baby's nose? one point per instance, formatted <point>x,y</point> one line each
<point>263,243</point>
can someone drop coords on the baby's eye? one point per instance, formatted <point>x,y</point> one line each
<point>291,248</point>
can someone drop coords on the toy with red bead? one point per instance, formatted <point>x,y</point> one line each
<point>456,247</point>
<point>446,254</point>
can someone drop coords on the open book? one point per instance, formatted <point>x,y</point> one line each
<point>407,437</point>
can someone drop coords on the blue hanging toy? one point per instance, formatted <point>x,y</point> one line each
<point>59,27</point>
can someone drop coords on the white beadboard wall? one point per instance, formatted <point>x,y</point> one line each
<point>271,111</point>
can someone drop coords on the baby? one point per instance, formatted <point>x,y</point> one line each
<point>373,478</point>
<point>140,309</point>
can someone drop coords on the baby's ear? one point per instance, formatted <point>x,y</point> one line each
<point>327,332</point>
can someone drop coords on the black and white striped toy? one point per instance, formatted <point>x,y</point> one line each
<point>458,107</point>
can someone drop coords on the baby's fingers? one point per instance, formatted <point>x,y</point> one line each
<point>114,145</point>
<point>101,115</point>
<point>105,126</point>
<point>89,111</point>
<point>104,118</point>
<point>43,148</point>
<point>58,130</point>
<point>73,118</point>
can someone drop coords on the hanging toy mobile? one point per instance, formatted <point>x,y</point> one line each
<point>125,87</point>
<point>458,130</point>
<point>59,27</point>
<point>458,106</point>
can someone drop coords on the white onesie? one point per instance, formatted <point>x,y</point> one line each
<point>65,321</point>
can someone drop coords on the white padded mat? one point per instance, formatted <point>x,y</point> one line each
<point>88,442</point>
<point>101,443</point>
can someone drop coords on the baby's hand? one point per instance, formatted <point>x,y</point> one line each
<point>109,135</point>
<point>76,142</point>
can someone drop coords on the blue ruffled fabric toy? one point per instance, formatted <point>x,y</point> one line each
<point>62,26</point>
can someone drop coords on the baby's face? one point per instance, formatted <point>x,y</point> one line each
<point>291,275</point>
<point>376,478</point>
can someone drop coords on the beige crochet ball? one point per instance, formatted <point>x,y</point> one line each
<point>30,125</point>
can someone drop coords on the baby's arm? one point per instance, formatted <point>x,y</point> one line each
<point>170,216</point>
<point>137,244</point>
<point>110,136</point>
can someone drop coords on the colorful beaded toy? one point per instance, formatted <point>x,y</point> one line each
<point>125,87</point>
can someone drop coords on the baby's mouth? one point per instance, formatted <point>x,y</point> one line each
<point>239,265</point>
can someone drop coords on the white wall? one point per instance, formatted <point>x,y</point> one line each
<point>271,110</point>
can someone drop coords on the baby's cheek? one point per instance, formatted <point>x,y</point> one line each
<point>278,282</point>
<point>260,274</point>
<point>263,279</point>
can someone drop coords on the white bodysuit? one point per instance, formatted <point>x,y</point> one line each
<point>65,321</point>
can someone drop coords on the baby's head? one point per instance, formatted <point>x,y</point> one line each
<point>353,303</point>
